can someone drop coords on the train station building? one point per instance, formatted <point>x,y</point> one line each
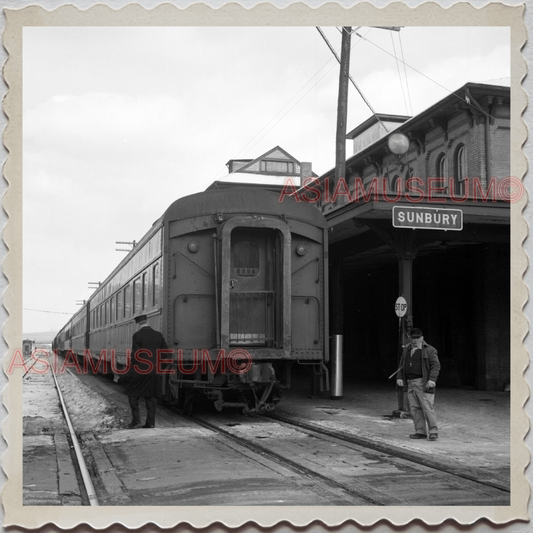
<point>432,226</point>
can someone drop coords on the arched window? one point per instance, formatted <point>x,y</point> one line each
<point>409,181</point>
<point>460,170</point>
<point>442,172</point>
<point>442,166</point>
<point>396,184</point>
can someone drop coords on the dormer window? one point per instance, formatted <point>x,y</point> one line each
<point>277,167</point>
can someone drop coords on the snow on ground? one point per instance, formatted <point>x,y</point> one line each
<point>87,408</point>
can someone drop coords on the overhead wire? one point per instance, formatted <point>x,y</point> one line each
<point>261,131</point>
<point>424,75</point>
<point>43,311</point>
<point>405,72</point>
<point>350,77</point>
<point>291,99</point>
<point>399,73</point>
<point>363,37</point>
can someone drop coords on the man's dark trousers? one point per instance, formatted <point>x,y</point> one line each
<point>151,405</point>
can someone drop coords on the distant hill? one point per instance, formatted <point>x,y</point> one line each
<point>45,337</point>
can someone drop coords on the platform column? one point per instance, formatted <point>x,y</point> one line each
<point>406,253</point>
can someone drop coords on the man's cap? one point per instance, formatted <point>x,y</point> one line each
<point>140,318</point>
<point>415,332</point>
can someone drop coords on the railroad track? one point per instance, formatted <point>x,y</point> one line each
<point>396,452</point>
<point>54,469</point>
<point>286,461</point>
<point>372,472</point>
<point>351,470</point>
<point>81,465</point>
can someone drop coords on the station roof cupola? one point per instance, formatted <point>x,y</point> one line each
<point>374,128</point>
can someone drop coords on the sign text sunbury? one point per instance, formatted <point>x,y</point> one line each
<point>427,218</point>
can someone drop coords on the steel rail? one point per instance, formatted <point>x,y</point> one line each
<point>293,465</point>
<point>382,448</point>
<point>89,487</point>
<point>352,439</point>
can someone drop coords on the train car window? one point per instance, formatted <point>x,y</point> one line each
<point>127,301</point>
<point>137,296</point>
<point>155,285</point>
<point>246,258</point>
<point>119,305</point>
<point>106,313</point>
<point>145,290</point>
<point>113,310</point>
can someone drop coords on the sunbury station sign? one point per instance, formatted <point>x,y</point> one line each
<point>427,218</point>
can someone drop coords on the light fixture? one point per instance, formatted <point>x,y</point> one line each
<point>398,143</point>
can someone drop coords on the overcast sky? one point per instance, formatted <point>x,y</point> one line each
<point>120,122</point>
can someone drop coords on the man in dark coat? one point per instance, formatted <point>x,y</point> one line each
<point>143,379</point>
<point>418,373</point>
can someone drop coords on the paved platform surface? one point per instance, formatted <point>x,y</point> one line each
<point>474,426</point>
<point>48,477</point>
<point>193,466</point>
<point>473,434</point>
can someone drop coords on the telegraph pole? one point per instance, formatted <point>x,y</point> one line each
<point>342,105</point>
<point>337,322</point>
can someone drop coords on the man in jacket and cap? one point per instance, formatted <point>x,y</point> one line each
<point>143,379</point>
<point>418,373</point>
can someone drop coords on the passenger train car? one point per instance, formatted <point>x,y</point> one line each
<point>233,275</point>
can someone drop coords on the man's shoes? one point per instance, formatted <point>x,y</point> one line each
<point>133,425</point>
<point>147,426</point>
<point>418,436</point>
<point>433,436</point>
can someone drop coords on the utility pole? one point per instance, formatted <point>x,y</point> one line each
<point>342,105</point>
<point>340,173</point>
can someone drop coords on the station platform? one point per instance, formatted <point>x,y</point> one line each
<point>474,426</point>
<point>49,476</point>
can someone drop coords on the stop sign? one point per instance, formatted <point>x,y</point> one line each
<point>400,306</point>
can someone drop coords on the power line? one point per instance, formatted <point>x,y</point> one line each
<point>405,73</point>
<point>350,77</point>
<point>261,133</point>
<point>425,76</point>
<point>399,74</point>
<point>43,311</point>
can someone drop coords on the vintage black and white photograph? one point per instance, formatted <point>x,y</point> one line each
<point>267,266</point>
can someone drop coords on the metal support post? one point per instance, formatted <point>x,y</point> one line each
<point>336,367</point>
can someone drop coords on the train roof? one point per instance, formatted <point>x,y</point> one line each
<point>244,200</point>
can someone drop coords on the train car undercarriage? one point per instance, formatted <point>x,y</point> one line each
<point>256,391</point>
